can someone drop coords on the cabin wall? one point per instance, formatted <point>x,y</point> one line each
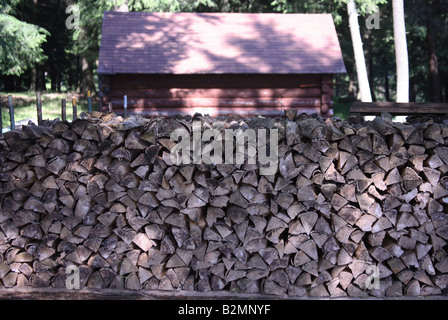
<point>165,95</point>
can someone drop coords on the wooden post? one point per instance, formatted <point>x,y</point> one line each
<point>39,108</point>
<point>64,109</point>
<point>100,101</point>
<point>11,113</point>
<point>75,109</point>
<point>89,101</point>
<point>125,106</point>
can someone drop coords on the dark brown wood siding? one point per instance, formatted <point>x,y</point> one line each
<point>266,94</point>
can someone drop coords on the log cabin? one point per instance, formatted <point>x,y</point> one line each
<point>218,63</point>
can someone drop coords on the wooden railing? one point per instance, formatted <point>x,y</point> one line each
<point>394,108</point>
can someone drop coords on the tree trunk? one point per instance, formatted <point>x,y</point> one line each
<point>33,78</point>
<point>369,57</point>
<point>40,81</point>
<point>53,77</point>
<point>386,87</point>
<point>71,79</point>
<point>10,84</point>
<point>434,77</point>
<point>59,80</point>
<point>77,83</point>
<point>401,51</point>
<point>351,88</point>
<point>413,89</point>
<point>360,61</point>
<point>87,78</point>
<point>446,89</point>
<point>223,6</point>
<point>34,70</point>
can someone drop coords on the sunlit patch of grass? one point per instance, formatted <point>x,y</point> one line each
<point>25,106</point>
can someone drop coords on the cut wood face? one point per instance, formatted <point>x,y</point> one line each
<point>354,209</point>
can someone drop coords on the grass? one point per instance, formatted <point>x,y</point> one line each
<point>25,106</point>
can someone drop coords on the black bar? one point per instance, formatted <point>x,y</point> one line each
<point>39,108</point>
<point>75,109</point>
<point>64,109</point>
<point>11,113</point>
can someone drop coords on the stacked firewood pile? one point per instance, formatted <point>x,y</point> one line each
<point>354,209</point>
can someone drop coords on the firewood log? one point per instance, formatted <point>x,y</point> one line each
<point>102,193</point>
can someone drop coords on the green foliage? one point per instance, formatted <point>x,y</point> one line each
<point>364,6</point>
<point>167,5</point>
<point>291,6</point>
<point>324,6</point>
<point>20,45</point>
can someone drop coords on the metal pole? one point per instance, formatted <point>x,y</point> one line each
<point>64,109</point>
<point>11,113</point>
<point>75,109</point>
<point>39,108</point>
<point>89,100</point>
<point>125,106</point>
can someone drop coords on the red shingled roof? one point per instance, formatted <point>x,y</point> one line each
<point>198,43</point>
